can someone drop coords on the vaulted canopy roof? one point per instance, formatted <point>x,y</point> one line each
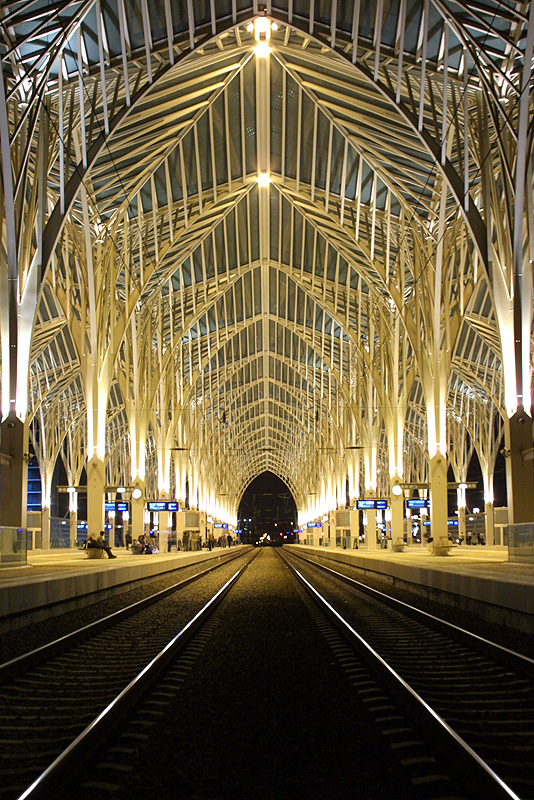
<point>231,261</point>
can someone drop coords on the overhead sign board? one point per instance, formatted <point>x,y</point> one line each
<point>120,505</point>
<point>363,504</point>
<point>163,505</point>
<point>157,505</point>
<point>418,502</point>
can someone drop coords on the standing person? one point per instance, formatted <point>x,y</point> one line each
<point>101,542</point>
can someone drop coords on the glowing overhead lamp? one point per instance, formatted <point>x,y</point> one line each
<point>262,50</point>
<point>262,34</point>
<point>262,28</point>
<point>264,179</point>
<point>396,489</point>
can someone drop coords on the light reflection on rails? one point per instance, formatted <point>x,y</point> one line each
<point>62,770</point>
<point>447,740</point>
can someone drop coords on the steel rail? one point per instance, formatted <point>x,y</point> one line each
<point>20,664</point>
<point>511,658</point>
<point>67,765</point>
<point>474,769</point>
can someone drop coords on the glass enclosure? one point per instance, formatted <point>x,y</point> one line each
<point>13,542</point>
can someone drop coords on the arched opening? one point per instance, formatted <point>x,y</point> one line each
<point>267,506</point>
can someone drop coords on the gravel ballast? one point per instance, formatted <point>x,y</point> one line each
<point>267,711</point>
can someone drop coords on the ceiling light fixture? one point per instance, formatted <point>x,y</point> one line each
<point>262,50</point>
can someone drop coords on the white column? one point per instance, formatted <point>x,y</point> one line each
<point>396,503</point>
<point>73,518</point>
<point>461,503</point>
<point>137,521</point>
<point>95,496</point>
<point>438,500</point>
<point>45,528</point>
<point>462,527</point>
<point>354,526</point>
<point>370,529</point>
<point>518,438</point>
<point>397,519</point>
<point>490,524</point>
<point>13,472</point>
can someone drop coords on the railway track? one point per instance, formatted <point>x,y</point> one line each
<point>483,692</point>
<point>168,730</point>
<point>49,695</point>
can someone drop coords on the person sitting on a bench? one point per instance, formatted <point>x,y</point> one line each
<point>101,542</point>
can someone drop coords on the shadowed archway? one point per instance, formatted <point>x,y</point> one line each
<point>267,506</point>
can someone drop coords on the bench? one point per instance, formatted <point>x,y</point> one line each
<point>95,552</point>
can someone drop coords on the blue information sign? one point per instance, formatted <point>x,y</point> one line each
<point>157,505</point>
<point>417,502</point>
<point>362,504</point>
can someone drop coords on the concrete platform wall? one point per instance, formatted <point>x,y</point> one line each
<point>28,599</point>
<point>498,600</point>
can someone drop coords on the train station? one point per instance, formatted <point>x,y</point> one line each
<point>248,246</point>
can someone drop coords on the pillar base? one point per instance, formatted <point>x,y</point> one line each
<point>519,467</point>
<point>439,549</point>
<point>13,472</point>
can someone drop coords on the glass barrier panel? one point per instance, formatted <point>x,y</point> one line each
<point>13,547</point>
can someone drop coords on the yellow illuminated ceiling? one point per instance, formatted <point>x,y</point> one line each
<point>297,261</point>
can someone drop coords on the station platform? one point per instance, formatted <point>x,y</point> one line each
<point>479,579</point>
<point>55,581</point>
